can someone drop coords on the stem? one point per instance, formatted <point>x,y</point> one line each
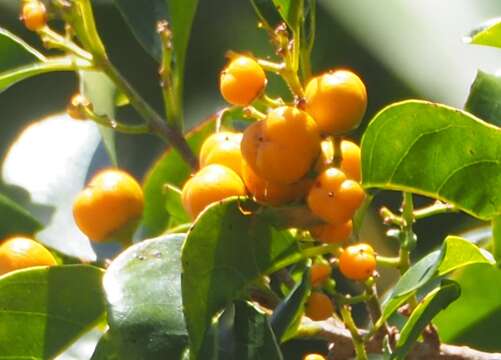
<point>408,217</point>
<point>319,250</point>
<point>253,113</point>
<point>437,208</point>
<point>338,153</point>
<point>56,40</point>
<point>284,70</point>
<point>115,125</point>
<point>167,81</point>
<point>358,343</point>
<point>155,122</point>
<point>385,261</point>
<point>270,102</point>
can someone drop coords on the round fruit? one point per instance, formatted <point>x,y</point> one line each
<point>272,193</point>
<point>242,81</point>
<point>34,15</point>
<point>75,106</point>
<point>212,183</point>
<point>319,273</point>
<point>111,201</point>
<point>333,198</point>
<point>350,153</point>
<point>20,253</point>
<point>283,147</point>
<point>319,306</point>
<point>357,262</point>
<point>350,164</point>
<point>222,148</point>
<point>337,101</point>
<point>314,357</point>
<point>332,233</point>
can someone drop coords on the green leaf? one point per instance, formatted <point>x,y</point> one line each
<point>291,11</point>
<point>12,76</point>
<point>252,334</point>
<point>436,151</point>
<point>455,253</point>
<point>174,206</point>
<point>15,220</point>
<point>266,12</point>
<point>143,291</point>
<point>488,33</point>
<point>143,17</point>
<point>436,301</point>
<point>170,168</point>
<point>474,318</point>
<point>56,154</point>
<point>14,52</point>
<point>226,250</point>
<point>102,93</point>
<point>45,309</point>
<point>484,99</point>
<point>287,315</point>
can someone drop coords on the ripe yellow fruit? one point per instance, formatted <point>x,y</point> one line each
<point>34,15</point>
<point>334,198</point>
<point>223,148</point>
<point>283,147</point>
<point>271,193</point>
<point>351,163</point>
<point>319,273</point>
<point>319,306</point>
<point>337,101</point>
<point>20,253</point>
<point>332,233</point>
<point>111,201</point>
<point>242,81</point>
<point>75,107</point>
<point>211,184</point>
<point>314,357</point>
<point>358,262</point>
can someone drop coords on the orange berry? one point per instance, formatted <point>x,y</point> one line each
<point>337,100</point>
<point>222,148</point>
<point>332,233</point>
<point>319,273</point>
<point>357,262</point>
<point>319,306</point>
<point>314,357</point>
<point>20,253</point>
<point>76,105</point>
<point>242,81</point>
<point>111,201</point>
<point>350,164</point>
<point>333,198</point>
<point>34,15</point>
<point>211,184</point>
<point>283,147</point>
<point>272,193</point>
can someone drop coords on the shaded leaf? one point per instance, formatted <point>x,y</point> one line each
<point>436,151</point>
<point>488,33</point>
<point>226,250</point>
<point>45,309</point>
<point>266,12</point>
<point>15,220</point>
<point>105,349</point>
<point>434,302</point>
<point>474,318</point>
<point>484,99</point>
<point>143,292</point>
<point>287,315</point>
<point>455,253</point>
<point>291,11</point>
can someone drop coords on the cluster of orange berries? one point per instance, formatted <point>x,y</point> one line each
<point>274,158</point>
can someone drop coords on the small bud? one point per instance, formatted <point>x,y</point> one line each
<point>76,107</point>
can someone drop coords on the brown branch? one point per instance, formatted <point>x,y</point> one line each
<point>342,348</point>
